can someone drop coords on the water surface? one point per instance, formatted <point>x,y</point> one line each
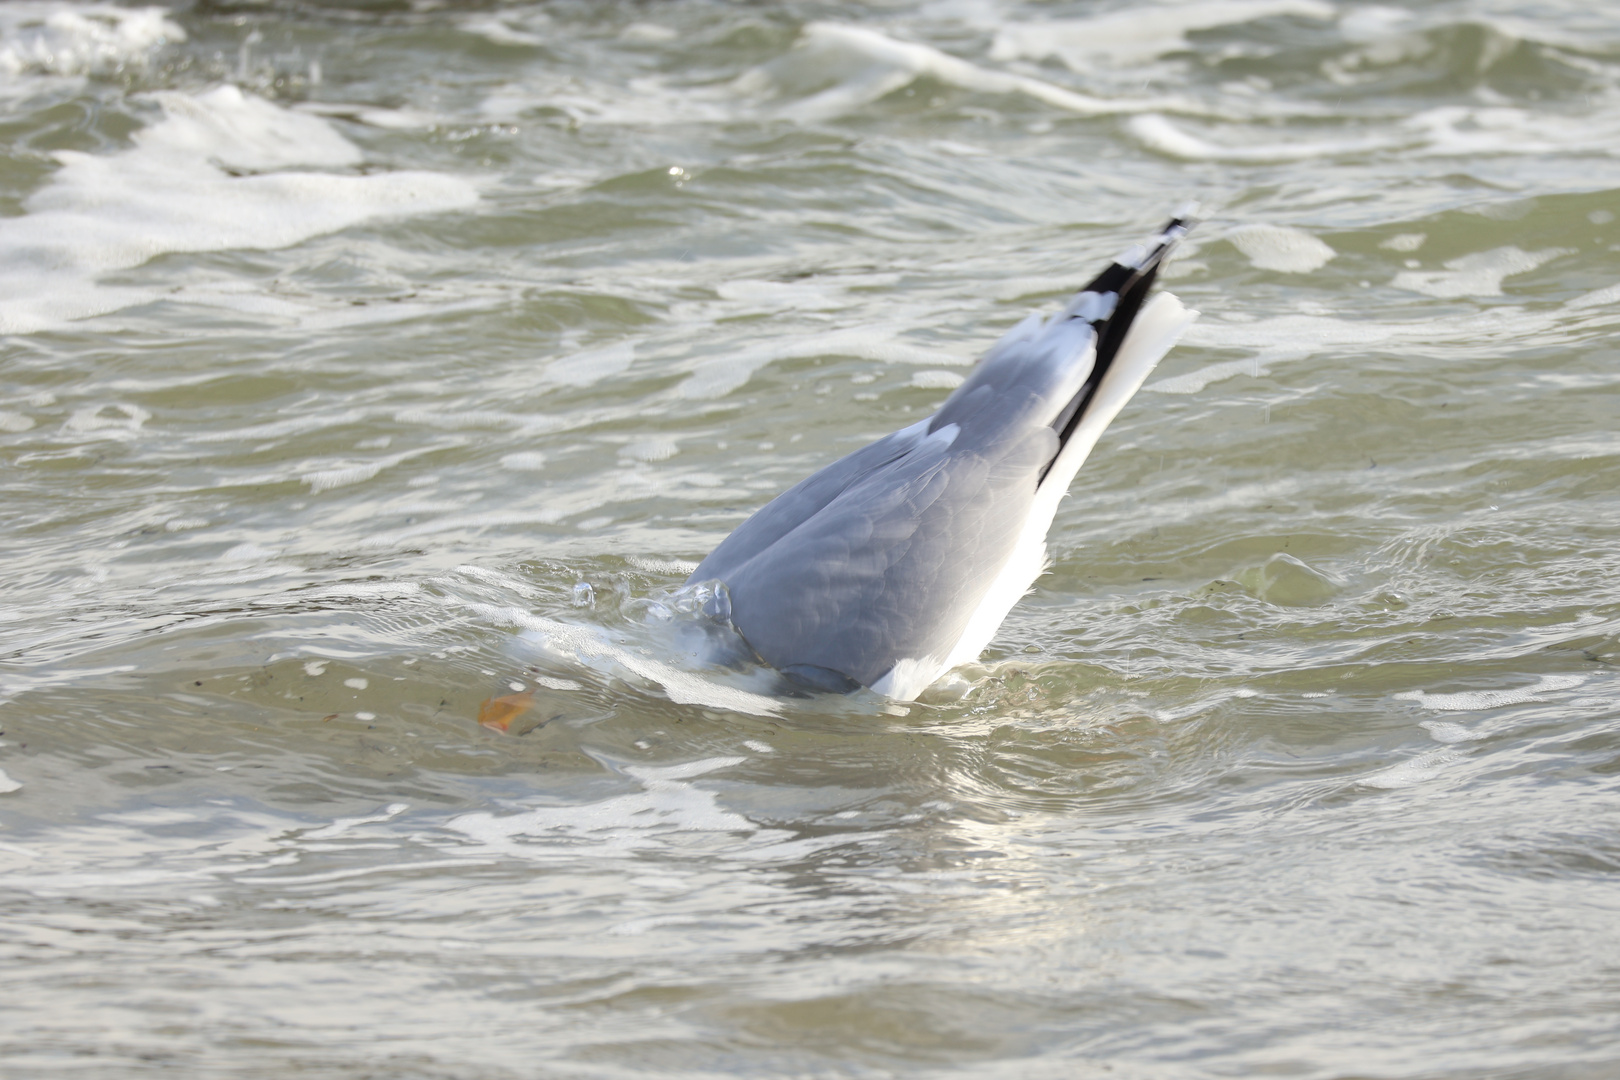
<point>361,363</point>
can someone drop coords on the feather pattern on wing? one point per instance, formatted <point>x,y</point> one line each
<point>881,568</point>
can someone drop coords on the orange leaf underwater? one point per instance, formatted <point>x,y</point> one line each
<point>498,713</point>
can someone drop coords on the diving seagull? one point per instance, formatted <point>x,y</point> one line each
<point>897,563</point>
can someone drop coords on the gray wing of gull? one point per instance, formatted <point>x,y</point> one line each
<point>803,501</point>
<point>885,554</point>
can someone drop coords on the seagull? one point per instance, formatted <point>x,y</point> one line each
<point>899,562</point>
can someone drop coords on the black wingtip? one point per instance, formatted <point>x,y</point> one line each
<point>1131,271</point>
<point>1128,280</point>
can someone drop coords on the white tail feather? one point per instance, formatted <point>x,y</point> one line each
<point>1156,329</point>
<point>1153,333</point>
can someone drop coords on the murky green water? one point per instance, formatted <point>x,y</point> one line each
<point>343,344</point>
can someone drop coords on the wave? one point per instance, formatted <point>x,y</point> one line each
<point>222,171</point>
<point>80,39</point>
<point>833,70</point>
<point>1123,38</point>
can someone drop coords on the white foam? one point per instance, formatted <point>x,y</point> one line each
<point>80,39</point>
<point>388,119</point>
<point>592,365</point>
<point>784,295</point>
<point>358,472</point>
<point>1391,36</point>
<point>937,380</point>
<point>721,375</point>
<point>1446,131</point>
<point>1444,731</point>
<point>247,552</point>
<point>12,684</point>
<point>681,567</point>
<point>171,192</point>
<point>1281,248</point>
<point>1547,32</point>
<point>7,784</point>
<point>1203,704</point>
<point>1456,130</point>
<point>650,450</point>
<point>1472,701</point>
<point>1287,337</point>
<point>686,770</point>
<point>1479,274</point>
<point>524,461</point>
<point>122,422</point>
<point>1194,381</point>
<point>1404,241</point>
<point>453,420</point>
<point>1413,771</point>
<point>665,807</point>
<point>239,131</point>
<point>502,582</point>
<point>500,28</point>
<point>835,69</point>
<point>1607,296</point>
<point>1293,337</point>
<point>589,646</point>
<point>1373,23</point>
<point>1138,33</point>
<point>365,590</point>
<point>644,101</point>
<point>645,33</point>
<point>343,825</point>
<point>343,476</point>
<point>1157,133</point>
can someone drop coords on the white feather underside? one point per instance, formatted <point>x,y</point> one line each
<point>1156,329</point>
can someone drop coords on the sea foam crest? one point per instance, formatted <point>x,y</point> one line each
<point>835,69</point>
<point>174,191</point>
<point>1138,33</point>
<point>80,39</point>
